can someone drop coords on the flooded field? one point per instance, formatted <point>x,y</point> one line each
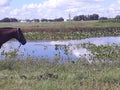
<point>62,50</point>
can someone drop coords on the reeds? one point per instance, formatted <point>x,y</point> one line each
<point>45,75</point>
<point>41,74</point>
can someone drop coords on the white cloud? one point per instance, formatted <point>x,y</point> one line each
<point>51,9</point>
<point>5,2</point>
<point>61,8</point>
<point>4,8</point>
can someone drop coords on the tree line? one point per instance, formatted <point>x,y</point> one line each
<point>86,17</point>
<point>61,19</point>
<point>9,20</point>
<point>93,17</point>
<point>33,20</point>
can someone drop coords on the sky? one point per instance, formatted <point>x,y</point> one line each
<point>49,9</point>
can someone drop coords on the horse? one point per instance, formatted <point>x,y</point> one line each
<point>9,33</point>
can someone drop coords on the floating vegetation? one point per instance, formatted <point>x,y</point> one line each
<point>74,33</point>
<point>104,53</point>
<point>103,73</point>
<point>67,51</point>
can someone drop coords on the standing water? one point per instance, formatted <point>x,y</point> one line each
<point>64,49</point>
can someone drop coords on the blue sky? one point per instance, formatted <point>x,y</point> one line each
<point>30,9</point>
<point>20,3</point>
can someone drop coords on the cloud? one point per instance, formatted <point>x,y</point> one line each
<point>4,8</point>
<point>53,9</point>
<point>4,2</point>
<point>61,8</point>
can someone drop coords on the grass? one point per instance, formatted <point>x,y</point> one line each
<point>41,74</point>
<point>66,30</point>
<point>72,24</point>
<point>70,35</point>
<point>44,75</point>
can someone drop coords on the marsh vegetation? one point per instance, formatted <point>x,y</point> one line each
<point>101,73</point>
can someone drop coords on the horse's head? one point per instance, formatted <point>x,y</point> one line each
<point>20,37</point>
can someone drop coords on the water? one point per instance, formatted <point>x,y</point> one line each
<point>64,50</point>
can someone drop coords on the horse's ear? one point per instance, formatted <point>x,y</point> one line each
<point>18,29</point>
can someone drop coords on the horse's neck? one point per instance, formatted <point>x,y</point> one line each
<point>6,37</point>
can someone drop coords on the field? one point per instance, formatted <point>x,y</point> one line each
<point>41,74</point>
<point>66,30</point>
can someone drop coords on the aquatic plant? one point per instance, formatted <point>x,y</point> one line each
<point>39,73</point>
<point>10,54</point>
<point>74,33</point>
<point>104,53</point>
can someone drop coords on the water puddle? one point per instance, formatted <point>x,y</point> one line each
<point>64,50</point>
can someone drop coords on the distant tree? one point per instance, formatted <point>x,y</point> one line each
<point>82,17</point>
<point>95,16</point>
<point>28,20</point>
<point>44,20</point>
<point>117,17</point>
<point>76,18</point>
<point>59,19</point>
<point>5,20</point>
<point>50,20</point>
<point>103,18</point>
<point>86,17</point>
<point>13,20</point>
<point>9,20</point>
<point>36,20</point>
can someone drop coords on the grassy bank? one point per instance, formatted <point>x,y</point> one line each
<point>44,75</point>
<point>71,30</point>
<point>41,74</point>
<point>66,30</point>
<point>72,24</point>
<point>75,33</point>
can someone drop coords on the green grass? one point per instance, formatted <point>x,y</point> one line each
<point>70,35</point>
<point>33,25</point>
<point>40,74</point>
<point>66,30</point>
<point>44,75</point>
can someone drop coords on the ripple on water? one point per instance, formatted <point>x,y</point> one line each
<point>64,49</point>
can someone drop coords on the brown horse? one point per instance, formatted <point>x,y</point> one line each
<point>8,33</point>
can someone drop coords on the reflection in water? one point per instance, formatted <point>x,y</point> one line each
<point>67,49</point>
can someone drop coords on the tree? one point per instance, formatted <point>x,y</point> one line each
<point>76,18</point>
<point>82,17</point>
<point>117,17</point>
<point>44,20</point>
<point>5,20</point>
<point>95,17</point>
<point>103,18</point>
<point>13,20</point>
<point>86,17</point>
<point>59,19</point>
<point>9,20</point>
<point>36,20</point>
